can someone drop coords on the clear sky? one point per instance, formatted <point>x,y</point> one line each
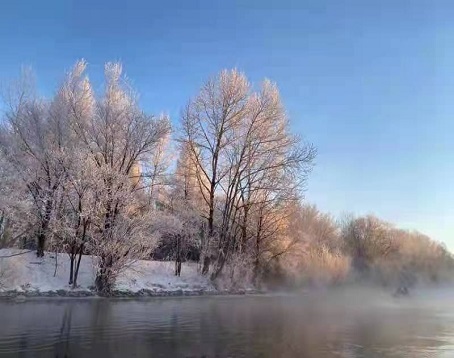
<point>370,83</point>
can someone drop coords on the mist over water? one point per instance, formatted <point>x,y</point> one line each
<point>331,323</point>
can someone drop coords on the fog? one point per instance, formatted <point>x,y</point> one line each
<point>346,322</point>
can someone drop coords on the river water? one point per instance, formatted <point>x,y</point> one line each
<point>321,324</point>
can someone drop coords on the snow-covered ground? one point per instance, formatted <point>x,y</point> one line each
<point>27,273</point>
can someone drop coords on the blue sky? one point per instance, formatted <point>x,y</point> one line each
<point>370,83</point>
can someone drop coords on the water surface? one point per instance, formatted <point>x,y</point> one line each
<point>322,324</point>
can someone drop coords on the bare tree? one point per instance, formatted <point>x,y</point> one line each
<point>34,141</point>
<point>75,213</point>
<point>246,159</point>
<point>316,255</point>
<point>366,239</point>
<point>117,136</point>
<point>15,206</point>
<point>156,171</point>
<point>209,122</point>
<point>187,201</point>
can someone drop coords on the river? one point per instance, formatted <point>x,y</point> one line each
<point>321,324</point>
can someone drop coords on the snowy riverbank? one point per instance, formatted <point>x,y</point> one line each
<point>27,275</point>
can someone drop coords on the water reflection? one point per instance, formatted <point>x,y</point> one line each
<point>307,326</point>
<point>62,348</point>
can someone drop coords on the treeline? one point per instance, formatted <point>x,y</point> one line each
<point>360,249</point>
<point>92,173</point>
<point>89,173</point>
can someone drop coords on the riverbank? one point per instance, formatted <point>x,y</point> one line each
<point>22,274</point>
<point>22,295</point>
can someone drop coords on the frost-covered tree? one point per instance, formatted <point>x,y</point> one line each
<point>187,200</point>
<point>157,170</point>
<point>34,141</point>
<point>247,162</point>
<point>15,206</point>
<point>89,173</point>
<point>366,240</point>
<point>117,137</point>
<point>80,156</point>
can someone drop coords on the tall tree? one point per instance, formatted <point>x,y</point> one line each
<point>117,136</point>
<point>209,124</point>
<point>246,159</point>
<point>34,141</point>
<point>367,239</point>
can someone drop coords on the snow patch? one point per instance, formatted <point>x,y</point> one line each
<point>27,273</point>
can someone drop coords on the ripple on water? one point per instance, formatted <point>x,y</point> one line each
<point>275,326</point>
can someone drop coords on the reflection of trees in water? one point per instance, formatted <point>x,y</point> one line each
<point>62,349</point>
<point>99,319</point>
<point>359,329</point>
<point>264,327</point>
<point>317,330</point>
<point>96,320</point>
<point>70,344</point>
<point>223,327</point>
<point>23,344</point>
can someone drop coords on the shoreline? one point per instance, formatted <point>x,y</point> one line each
<point>24,275</point>
<point>144,293</point>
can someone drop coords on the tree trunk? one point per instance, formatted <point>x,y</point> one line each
<point>71,268</point>
<point>206,265</point>
<point>43,230</point>
<point>211,222</point>
<point>219,267</point>
<point>211,206</point>
<point>86,223</point>
<point>222,258</point>
<point>101,281</point>
<point>178,268</point>
<point>56,263</point>
<point>2,226</point>
<point>255,273</point>
<point>41,242</point>
<point>257,252</point>
<point>104,280</point>
<point>76,273</point>
<point>178,257</point>
<point>244,228</point>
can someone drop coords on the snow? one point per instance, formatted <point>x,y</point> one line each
<point>26,273</point>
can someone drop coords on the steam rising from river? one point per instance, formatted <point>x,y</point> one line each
<point>340,322</point>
